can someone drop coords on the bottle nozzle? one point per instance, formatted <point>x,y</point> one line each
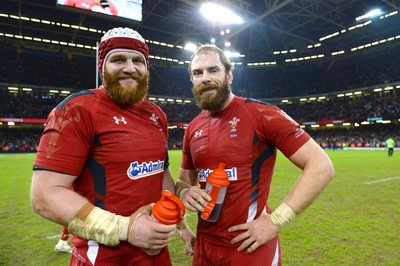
<point>169,209</point>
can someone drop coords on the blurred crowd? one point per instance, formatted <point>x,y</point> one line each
<point>66,70</point>
<point>372,136</point>
<point>19,139</point>
<point>385,105</point>
<point>27,67</point>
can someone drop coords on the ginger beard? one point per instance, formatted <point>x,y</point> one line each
<point>126,95</point>
<point>212,102</point>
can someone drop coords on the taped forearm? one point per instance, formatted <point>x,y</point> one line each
<point>93,223</point>
<point>282,215</point>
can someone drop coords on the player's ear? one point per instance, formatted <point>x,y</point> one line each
<point>230,77</point>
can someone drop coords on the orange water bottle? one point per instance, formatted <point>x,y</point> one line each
<point>216,187</point>
<point>168,210</point>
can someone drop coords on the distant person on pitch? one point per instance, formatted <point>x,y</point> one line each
<point>110,143</point>
<point>245,135</point>
<point>390,146</point>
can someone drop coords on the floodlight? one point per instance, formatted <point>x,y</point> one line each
<point>231,54</point>
<point>370,14</point>
<point>217,13</point>
<point>190,47</point>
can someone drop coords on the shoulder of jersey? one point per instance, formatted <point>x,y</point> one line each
<point>75,96</point>
<point>251,100</point>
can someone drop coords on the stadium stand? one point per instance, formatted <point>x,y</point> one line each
<point>44,70</point>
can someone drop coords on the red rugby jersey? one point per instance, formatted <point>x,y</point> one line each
<point>245,136</point>
<point>119,155</point>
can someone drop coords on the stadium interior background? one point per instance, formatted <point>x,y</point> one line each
<point>336,76</point>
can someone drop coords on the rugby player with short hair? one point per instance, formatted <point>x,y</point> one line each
<point>245,135</point>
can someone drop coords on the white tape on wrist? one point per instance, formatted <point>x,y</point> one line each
<point>282,215</point>
<point>182,192</point>
<point>180,188</point>
<point>102,226</point>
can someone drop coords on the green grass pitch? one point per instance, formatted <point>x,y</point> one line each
<point>356,221</point>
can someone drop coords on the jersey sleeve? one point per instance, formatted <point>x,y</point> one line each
<point>67,137</point>
<point>164,121</point>
<point>187,162</point>
<point>279,128</point>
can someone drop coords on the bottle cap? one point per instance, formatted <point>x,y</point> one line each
<point>169,209</point>
<point>218,177</point>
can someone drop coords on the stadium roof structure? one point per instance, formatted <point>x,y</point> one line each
<point>273,32</point>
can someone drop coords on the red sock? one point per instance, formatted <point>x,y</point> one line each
<point>65,234</point>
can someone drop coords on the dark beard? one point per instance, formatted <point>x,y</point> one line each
<point>216,102</point>
<point>125,97</point>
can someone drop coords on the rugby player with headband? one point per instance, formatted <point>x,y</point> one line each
<point>110,144</point>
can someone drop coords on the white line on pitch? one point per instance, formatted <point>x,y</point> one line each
<point>382,180</point>
<point>52,237</point>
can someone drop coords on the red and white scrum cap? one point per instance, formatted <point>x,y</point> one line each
<point>121,39</point>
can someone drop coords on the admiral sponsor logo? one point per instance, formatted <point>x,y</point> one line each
<point>136,170</point>
<point>202,174</point>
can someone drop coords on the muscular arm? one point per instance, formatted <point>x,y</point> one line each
<point>193,197</point>
<point>317,172</point>
<point>168,181</point>
<point>50,191</point>
<point>53,199</point>
<point>188,176</point>
<point>317,169</point>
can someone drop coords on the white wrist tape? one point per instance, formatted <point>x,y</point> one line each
<point>180,188</point>
<point>96,224</point>
<point>282,215</point>
<point>180,196</point>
